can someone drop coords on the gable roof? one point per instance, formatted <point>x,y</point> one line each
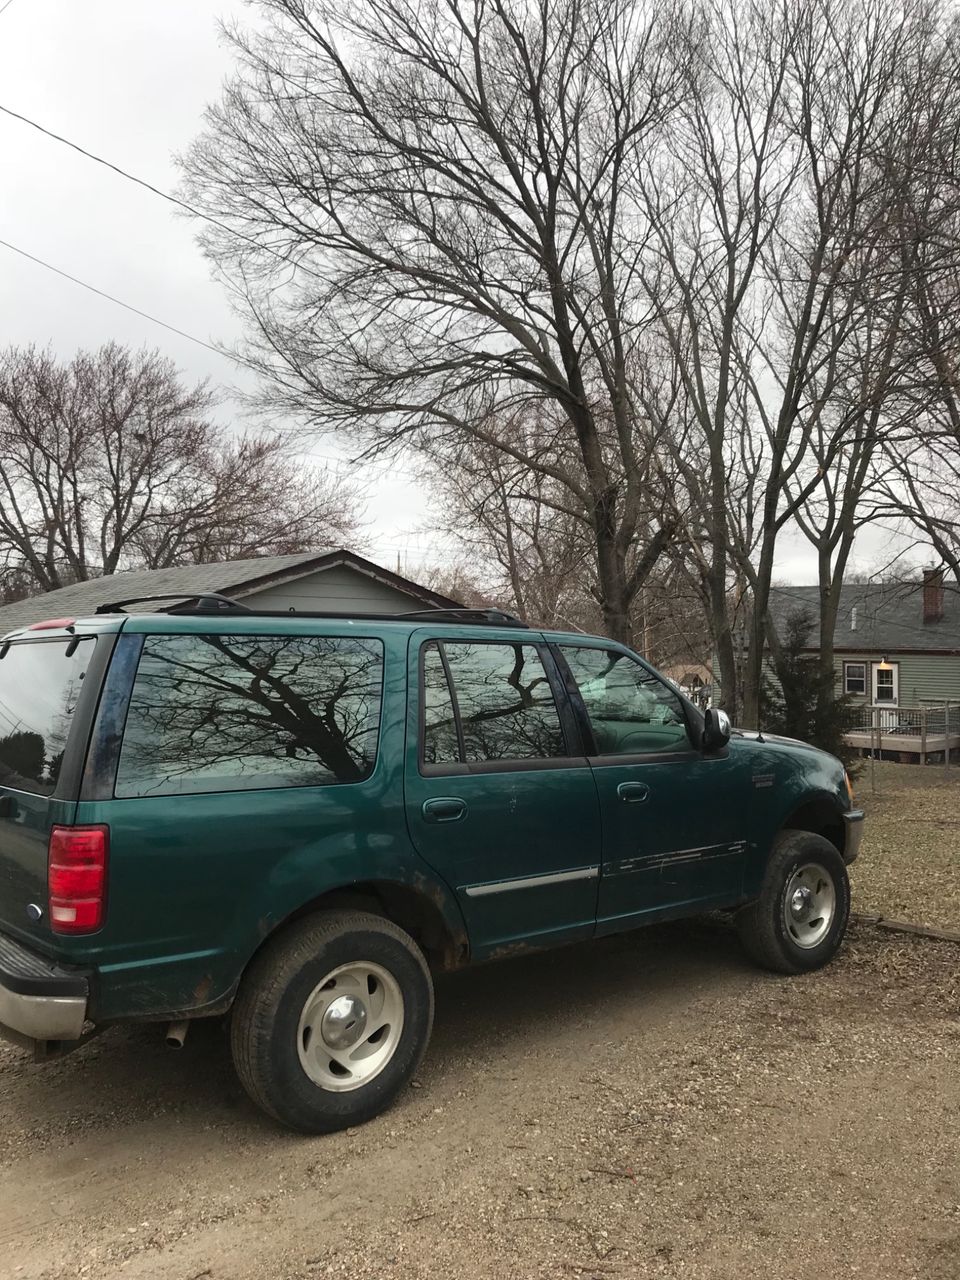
<point>888,617</point>
<point>228,577</point>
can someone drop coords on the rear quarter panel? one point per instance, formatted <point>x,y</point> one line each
<point>197,882</point>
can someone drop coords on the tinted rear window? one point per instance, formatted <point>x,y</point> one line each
<point>39,685</point>
<point>237,713</point>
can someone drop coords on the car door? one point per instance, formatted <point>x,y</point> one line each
<point>500,800</point>
<point>674,819</point>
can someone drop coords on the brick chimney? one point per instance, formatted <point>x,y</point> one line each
<point>932,595</point>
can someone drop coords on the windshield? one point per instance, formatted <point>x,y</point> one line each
<point>40,682</point>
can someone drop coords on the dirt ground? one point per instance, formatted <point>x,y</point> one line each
<point>648,1105</point>
<point>911,866</point>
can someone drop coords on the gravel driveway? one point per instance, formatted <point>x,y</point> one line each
<point>646,1105</point>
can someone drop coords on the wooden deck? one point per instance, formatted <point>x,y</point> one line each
<point>920,745</point>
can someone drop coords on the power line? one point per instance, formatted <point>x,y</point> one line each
<point>5,8</point>
<point>242,364</point>
<point>157,191</point>
<point>108,164</point>
<point>119,301</point>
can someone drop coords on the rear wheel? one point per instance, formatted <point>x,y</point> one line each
<point>798,921</point>
<point>332,1020</point>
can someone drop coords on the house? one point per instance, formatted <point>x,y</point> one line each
<point>897,656</point>
<point>694,678</point>
<point>338,581</point>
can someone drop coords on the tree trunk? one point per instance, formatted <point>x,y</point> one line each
<point>726,660</point>
<point>753,665</point>
<point>831,581</point>
<point>614,599</point>
<point>717,584</point>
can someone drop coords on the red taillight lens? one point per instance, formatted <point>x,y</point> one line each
<point>77,878</point>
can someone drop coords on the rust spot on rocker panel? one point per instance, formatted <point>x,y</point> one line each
<point>201,992</point>
<point>512,949</point>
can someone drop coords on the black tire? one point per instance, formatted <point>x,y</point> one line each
<point>762,924</point>
<point>274,993</point>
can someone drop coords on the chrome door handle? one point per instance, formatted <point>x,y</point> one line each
<point>633,792</point>
<point>444,809</point>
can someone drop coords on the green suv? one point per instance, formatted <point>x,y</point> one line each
<point>297,819</point>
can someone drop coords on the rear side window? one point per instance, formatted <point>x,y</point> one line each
<point>504,708</point>
<point>440,741</point>
<point>239,713</point>
<point>39,686</point>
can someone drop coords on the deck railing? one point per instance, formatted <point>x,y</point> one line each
<point>930,727</point>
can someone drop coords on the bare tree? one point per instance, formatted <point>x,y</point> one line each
<point>770,218</point>
<point>110,461</point>
<point>517,528</point>
<point>671,236</point>
<point>433,227</point>
<point>848,454</point>
<point>524,550</point>
<point>921,482</point>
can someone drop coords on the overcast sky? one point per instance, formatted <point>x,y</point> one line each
<point>129,80</point>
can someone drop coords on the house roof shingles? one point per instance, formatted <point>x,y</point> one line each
<point>226,577</point>
<point>888,619</point>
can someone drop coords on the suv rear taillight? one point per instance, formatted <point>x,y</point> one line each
<point>77,878</point>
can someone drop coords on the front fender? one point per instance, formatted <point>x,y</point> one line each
<point>791,785</point>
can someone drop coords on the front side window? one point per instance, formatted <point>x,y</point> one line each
<point>504,706</point>
<point>631,712</point>
<point>39,687</point>
<point>240,713</point>
<point>854,677</point>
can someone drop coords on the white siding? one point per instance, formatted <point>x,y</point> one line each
<point>340,589</point>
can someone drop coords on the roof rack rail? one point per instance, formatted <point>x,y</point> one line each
<point>192,602</point>
<point>211,602</point>
<point>489,617</point>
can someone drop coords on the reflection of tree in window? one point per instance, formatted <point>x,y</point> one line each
<point>22,755</point>
<point>440,742</point>
<point>40,682</point>
<point>506,705</point>
<point>237,712</point>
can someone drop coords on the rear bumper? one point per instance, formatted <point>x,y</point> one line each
<point>853,830</point>
<point>39,999</point>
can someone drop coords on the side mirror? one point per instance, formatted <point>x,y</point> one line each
<point>716,729</point>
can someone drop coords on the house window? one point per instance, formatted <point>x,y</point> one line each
<point>885,682</point>
<point>855,677</point>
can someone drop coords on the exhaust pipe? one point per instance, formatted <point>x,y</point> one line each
<point>177,1033</point>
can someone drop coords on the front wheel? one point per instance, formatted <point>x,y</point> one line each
<point>332,1020</point>
<point>798,921</point>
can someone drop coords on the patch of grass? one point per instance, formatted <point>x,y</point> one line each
<point>909,867</point>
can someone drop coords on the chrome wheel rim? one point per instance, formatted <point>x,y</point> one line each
<point>809,905</point>
<point>350,1026</point>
